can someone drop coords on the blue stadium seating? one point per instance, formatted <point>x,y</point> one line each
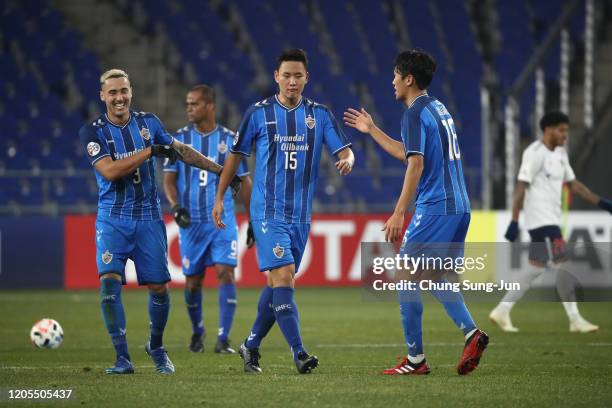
<point>37,127</point>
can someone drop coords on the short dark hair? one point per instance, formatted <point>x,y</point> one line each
<point>207,92</point>
<point>554,118</point>
<point>294,54</point>
<point>417,63</point>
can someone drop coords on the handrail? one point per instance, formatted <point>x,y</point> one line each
<point>538,56</point>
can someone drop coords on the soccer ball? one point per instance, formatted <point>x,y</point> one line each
<point>47,333</point>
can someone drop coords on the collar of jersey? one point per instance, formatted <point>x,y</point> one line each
<point>193,126</point>
<point>415,99</point>
<point>116,125</point>
<point>286,108</point>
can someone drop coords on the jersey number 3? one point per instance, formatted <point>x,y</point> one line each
<point>453,143</point>
<point>136,178</point>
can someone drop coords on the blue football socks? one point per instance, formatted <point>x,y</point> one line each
<point>227,309</point>
<point>411,312</point>
<point>456,309</point>
<point>159,307</point>
<point>193,300</point>
<point>285,311</point>
<point>114,315</point>
<point>265,319</point>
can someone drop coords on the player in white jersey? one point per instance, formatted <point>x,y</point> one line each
<point>544,169</point>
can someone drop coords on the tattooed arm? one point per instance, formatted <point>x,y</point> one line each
<point>195,158</point>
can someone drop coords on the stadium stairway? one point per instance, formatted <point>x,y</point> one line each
<point>134,45</point>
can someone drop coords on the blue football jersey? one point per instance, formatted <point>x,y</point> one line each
<point>428,129</point>
<point>134,197</point>
<point>196,187</point>
<point>288,144</point>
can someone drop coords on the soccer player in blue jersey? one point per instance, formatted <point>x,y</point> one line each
<point>191,193</point>
<point>288,132</point>
<point>434,179</point>
<point>120,145</point>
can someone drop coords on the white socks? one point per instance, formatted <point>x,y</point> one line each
<point>416,359</point>
<point>467,336</point>
<point>565,288</point>
<point>524,280</point>
<point>571,309</point>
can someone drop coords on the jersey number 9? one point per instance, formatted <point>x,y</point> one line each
<point>203,178</point>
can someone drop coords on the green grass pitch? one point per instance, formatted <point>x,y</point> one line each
<point>543,365</point>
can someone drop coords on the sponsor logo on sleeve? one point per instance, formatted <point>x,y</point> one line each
<point>144,132</point>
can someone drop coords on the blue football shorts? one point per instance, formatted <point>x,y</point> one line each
<point>144,242</point>
<point>203,245</point>
<point>435,235</point>
<point>279,243</point>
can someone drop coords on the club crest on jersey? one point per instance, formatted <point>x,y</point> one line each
<point>144,132</point>
<point>93,148</point>
<point>310,122</point>
<point>186,262</point>
<point>107,257</point>
<point>222,147</point>
<point>278,251</point>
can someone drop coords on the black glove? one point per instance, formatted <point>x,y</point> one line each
<point>512,231</point>
<point>250,236</point>
<point>605,204</point>
<point>166,151</point>
<point>235,185</point>
<point>181,216</point>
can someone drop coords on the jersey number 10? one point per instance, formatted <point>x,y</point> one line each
<point>453,143</point>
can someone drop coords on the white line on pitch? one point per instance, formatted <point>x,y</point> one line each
<point>447,344</point>
<point>80,367</point>
<point>382,345</point>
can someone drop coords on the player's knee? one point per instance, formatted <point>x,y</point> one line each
<point>282,277</point>
<point>157,288</point>
<point>225,274</point>
<point>110,275</point>
<point>193,283</point>
<point>110,288</point>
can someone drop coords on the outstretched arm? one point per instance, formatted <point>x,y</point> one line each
<point>194,158</point>
<point>363,122</point>
<point>583,191</point>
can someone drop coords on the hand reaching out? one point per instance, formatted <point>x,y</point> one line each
<point>360,120</point>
